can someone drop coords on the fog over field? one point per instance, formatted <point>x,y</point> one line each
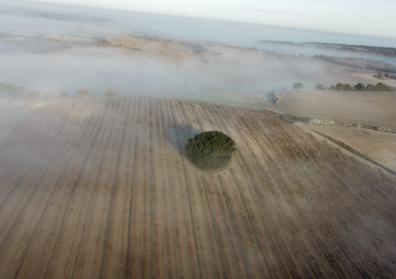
<point>49,49</point>
<point>58,51</point>
<point>106,172</point>
<point>219,71</point>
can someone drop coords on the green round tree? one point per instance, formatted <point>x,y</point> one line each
<point>210,150</point>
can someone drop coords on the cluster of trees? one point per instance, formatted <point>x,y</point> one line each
<point>210,150</point>
<point>342,87</point>
<point>359,87</point>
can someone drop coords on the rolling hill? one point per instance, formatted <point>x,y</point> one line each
<point>100,188</point>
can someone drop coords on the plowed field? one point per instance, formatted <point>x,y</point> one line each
<point>100,188</point>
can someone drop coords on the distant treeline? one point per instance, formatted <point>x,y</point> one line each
<point>379,87</point>
<point>359,63</point>
<point>386,51</point>
<point>383,51</point>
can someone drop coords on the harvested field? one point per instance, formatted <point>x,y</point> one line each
<point>371,108</point>
<point>379,147</point>
<point>100,188</point>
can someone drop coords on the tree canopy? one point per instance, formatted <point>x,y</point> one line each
<point>210,150</point>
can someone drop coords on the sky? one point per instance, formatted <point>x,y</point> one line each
<point>365,17</point>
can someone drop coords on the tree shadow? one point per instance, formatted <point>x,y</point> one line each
<point>179,135</point>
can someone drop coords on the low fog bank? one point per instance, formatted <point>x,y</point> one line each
<point>51,51</point>
<point>139,66</point>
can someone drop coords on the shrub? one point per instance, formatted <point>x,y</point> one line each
<point>348,87</point>
<point>360,87</point>
<point>210,150</point>
<point>339,86</point>
<point>298,85</point>
<point>272,98</point>
<point>342,87</point>
<point>382,87</point>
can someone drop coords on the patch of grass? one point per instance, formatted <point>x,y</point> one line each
<point>210,150</point>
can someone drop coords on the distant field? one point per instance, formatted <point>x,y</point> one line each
<point>100,188</point>
<point>373,108</point>
<point>380,147</point>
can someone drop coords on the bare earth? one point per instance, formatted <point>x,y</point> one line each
<point>100,188</point>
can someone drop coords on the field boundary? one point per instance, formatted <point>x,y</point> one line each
<point>352,150</point>
<point>327,122</point>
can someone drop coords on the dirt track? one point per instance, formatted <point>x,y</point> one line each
<point>99,188</point>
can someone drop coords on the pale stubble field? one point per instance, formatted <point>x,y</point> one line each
<point>100,188</point>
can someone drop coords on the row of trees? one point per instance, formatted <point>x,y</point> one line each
<point>348,87</point>
<point>359,87</point>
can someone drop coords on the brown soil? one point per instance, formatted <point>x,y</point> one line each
<point>110,195</point>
